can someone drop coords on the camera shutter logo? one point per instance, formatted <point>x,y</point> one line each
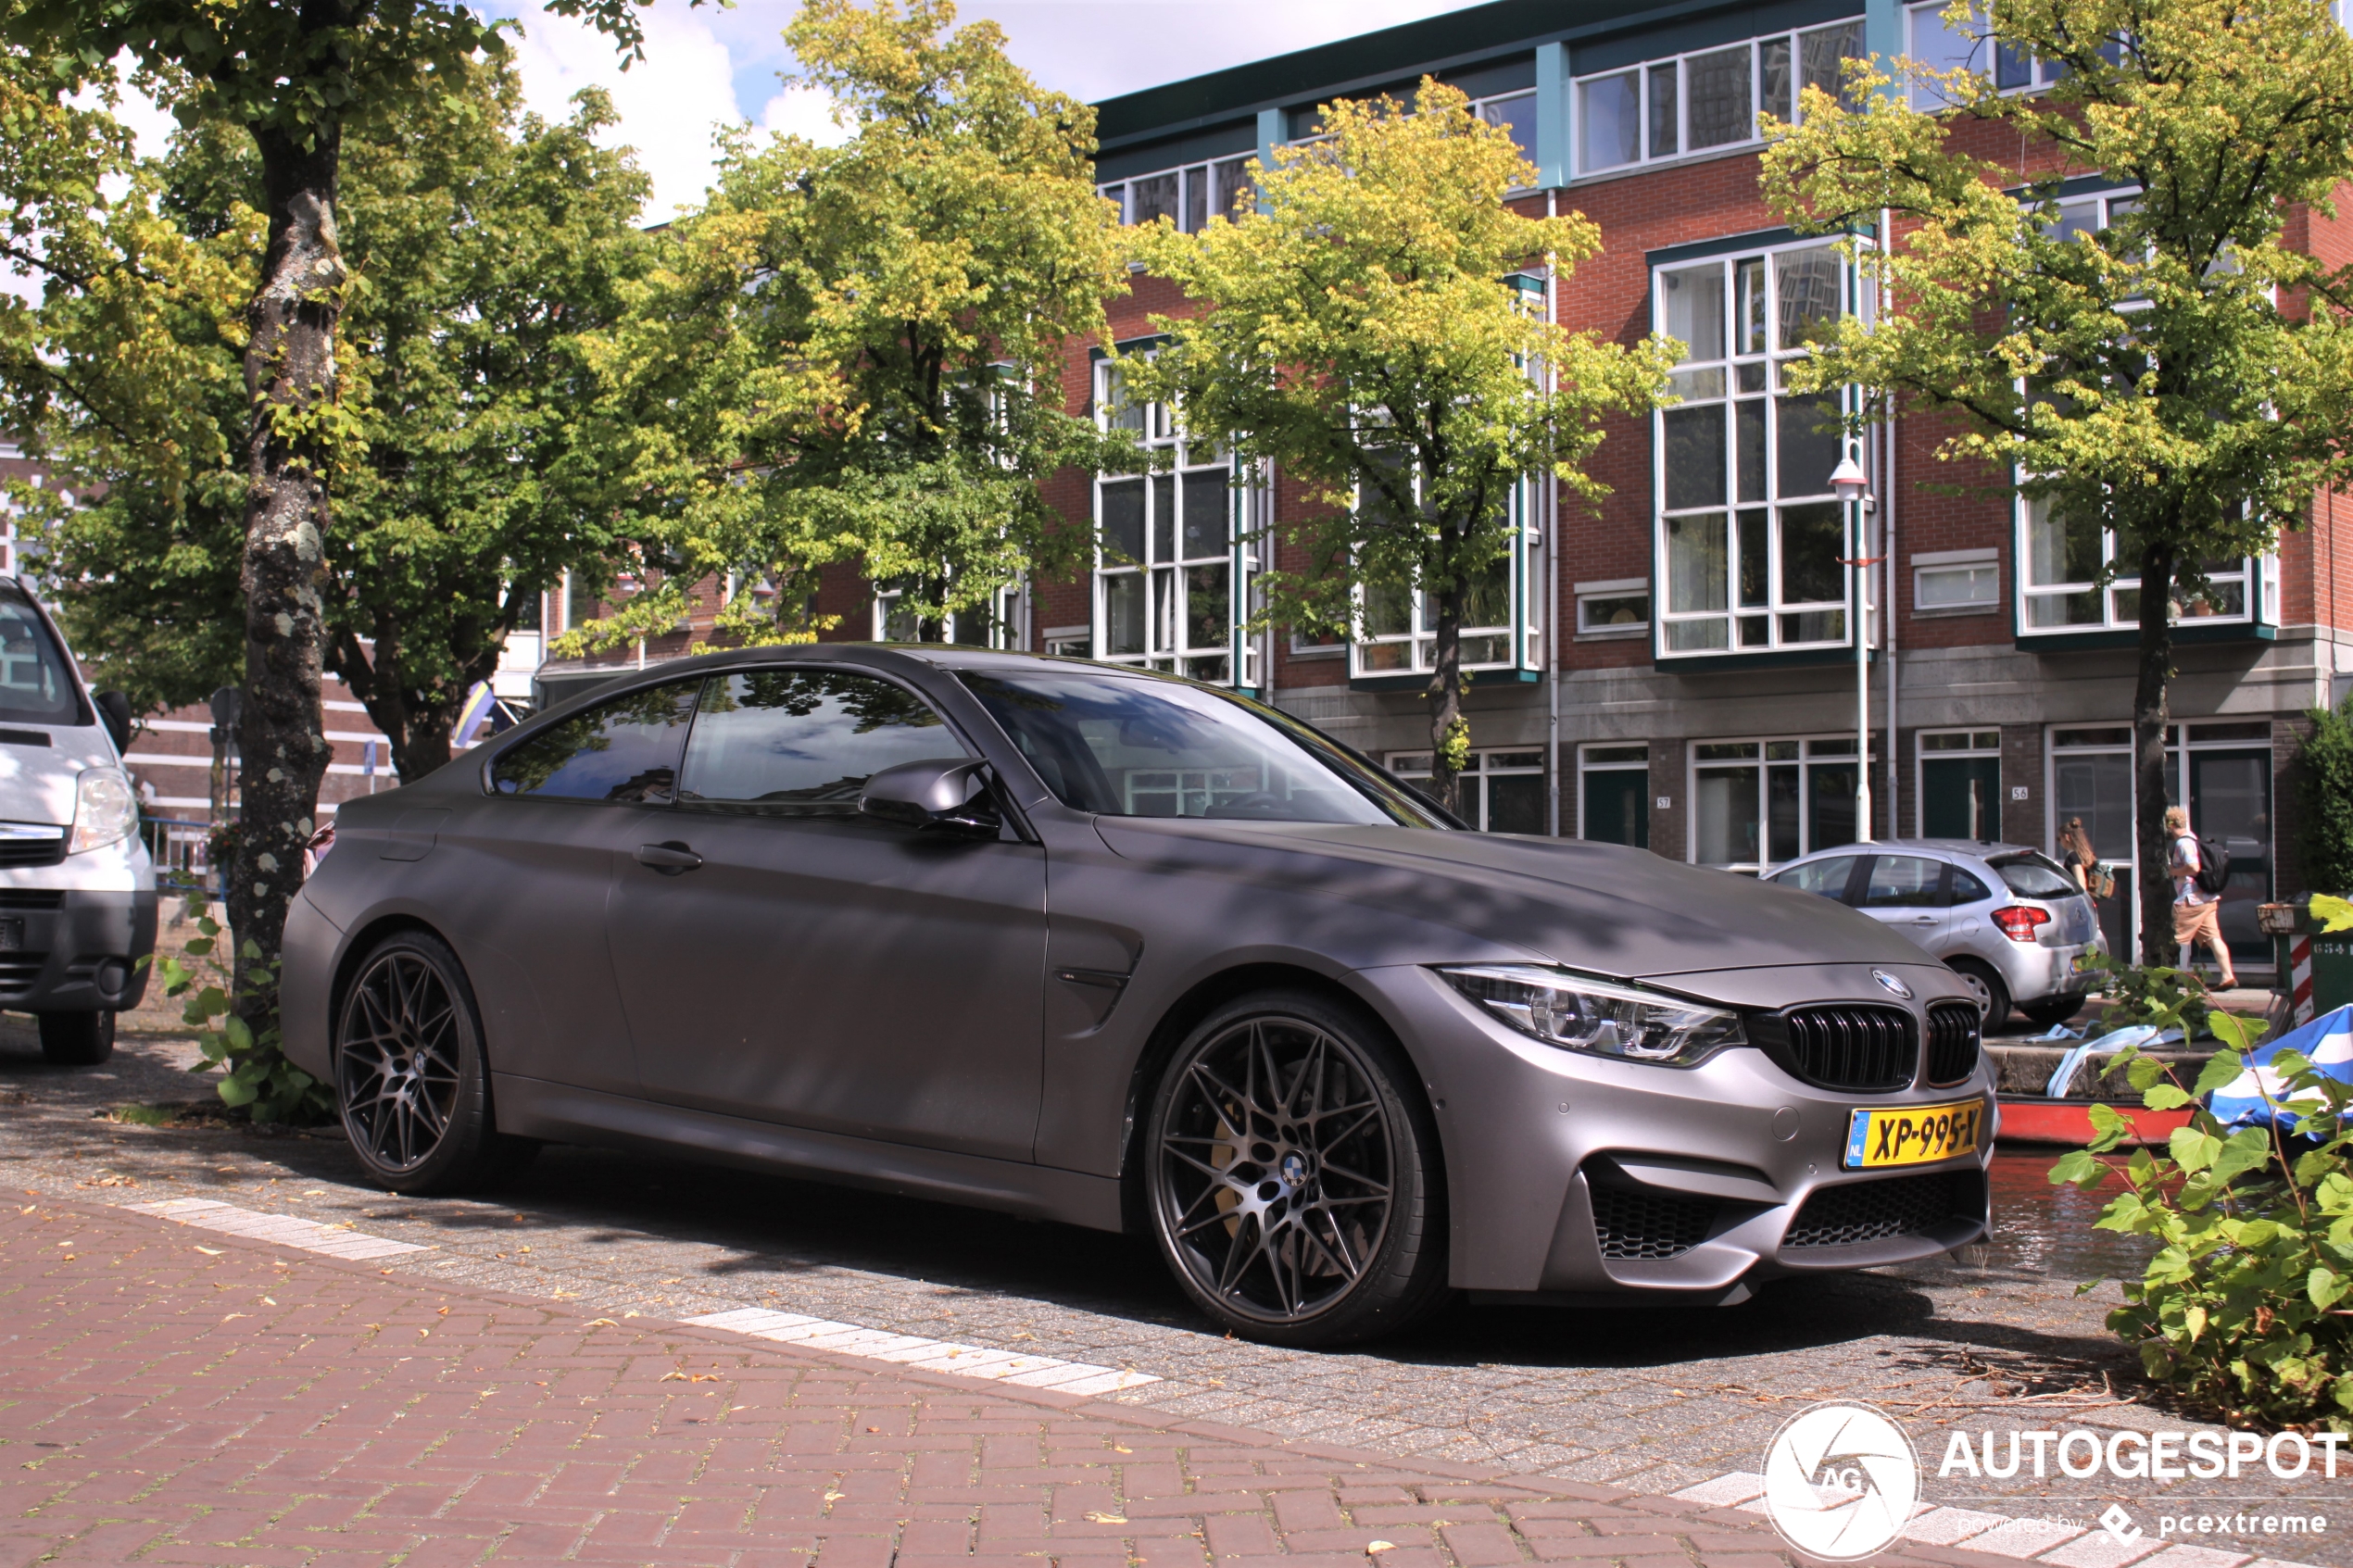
<point>1839,1480</point>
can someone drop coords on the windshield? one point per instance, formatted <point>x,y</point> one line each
<point>35,686</point>
<point>1133,747</point>
<point>2032,876</point>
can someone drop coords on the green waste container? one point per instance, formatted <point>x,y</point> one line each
<point>2315,969</point>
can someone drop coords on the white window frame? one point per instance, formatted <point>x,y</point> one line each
<point>1590,760</point>
<point>1745,373</point>
<point>1371,655</point>
<point>1590,595</point>
<point>1486,762</point>
<point>1981,568</point>
<point>1978,741</point>
<point>1810,750</point>
<point>1196,190</point>
<point>2017,74</point>
<point>1650,77</point>
<point>1008,627</point>
<point>1166,583</point>
<point>2254,578</point>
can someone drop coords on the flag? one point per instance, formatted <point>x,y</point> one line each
<point>2327,1042</point>
<point>474,714</point>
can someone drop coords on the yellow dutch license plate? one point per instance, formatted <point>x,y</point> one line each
<point>1912,1135</point>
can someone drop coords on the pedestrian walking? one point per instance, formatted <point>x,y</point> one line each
<point>2197,914</point>
<point>2077,857</point>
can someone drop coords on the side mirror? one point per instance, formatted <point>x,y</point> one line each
<point>114,712</point>
<point>949,795</point>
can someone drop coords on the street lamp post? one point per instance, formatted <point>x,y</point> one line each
<point>1850,483</point>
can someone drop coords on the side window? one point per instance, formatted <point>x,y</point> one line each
<point>624,750</point>
<point>1826,877</point>
<point>1966,889</point>
<point>1905,882</point>
<point>805,741</point>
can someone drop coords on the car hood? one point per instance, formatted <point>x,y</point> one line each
<point>1596,906</point>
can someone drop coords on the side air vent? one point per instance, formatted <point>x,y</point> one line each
<point>1630,1225</point>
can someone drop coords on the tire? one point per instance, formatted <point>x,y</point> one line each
<point>76,1039</point>
<point>1275,1238</point>
<point>1992,994</point>
<point>411,1079</point>
<point>2051,1009</point>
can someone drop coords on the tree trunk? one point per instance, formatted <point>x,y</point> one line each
<point>1446,697</point>
<point>2151,718</point>
<point>290,377</point>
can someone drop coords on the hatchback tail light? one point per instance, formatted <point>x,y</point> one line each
<point>2019,923</point>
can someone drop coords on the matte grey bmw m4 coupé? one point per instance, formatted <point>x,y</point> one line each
<point>1110,948</point>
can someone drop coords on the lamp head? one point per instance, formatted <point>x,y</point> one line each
<point>1848,479</point>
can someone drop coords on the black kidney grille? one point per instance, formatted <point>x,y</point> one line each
<point>1952,1032</point>
<point>1841,1216</point>
<point>1648,1225</point>
<point>32,851</point>
<point>1852,1047</point>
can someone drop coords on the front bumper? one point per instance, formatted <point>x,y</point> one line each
<point>1577,1177</point>
<point>74,949</point>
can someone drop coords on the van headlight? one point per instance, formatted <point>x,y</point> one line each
<point>1578,1012</point>
<point>105,811</point>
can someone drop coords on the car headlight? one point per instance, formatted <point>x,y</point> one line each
<point>1578,1012</point>
<point>105,811</point>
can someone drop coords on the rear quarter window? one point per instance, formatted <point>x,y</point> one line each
<point>2033,877</point>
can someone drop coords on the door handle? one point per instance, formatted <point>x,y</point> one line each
<point>668,859</point>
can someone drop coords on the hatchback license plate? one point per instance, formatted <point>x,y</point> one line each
<point>1912,1135</point>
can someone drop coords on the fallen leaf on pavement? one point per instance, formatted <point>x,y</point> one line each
<point>210,1251</point>
<point>1095,1518</point>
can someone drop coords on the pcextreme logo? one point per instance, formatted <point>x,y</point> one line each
<point>1839,1480</point>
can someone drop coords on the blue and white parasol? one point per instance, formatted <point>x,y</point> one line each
<point>2327,1042</point>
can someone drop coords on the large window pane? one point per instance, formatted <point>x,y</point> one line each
<point>1829,804</point>
<point>1696,457</point>
<point>1941,49</point>
<point>2059,549</point>
<point>1663,118</point>
<point>1610,129</point>
<point>1692,300</point>
<point>1517,115</point>
<point>1124,614</point>
<point>1164,517</point>
<point>1235,193</point>
<point>1207,497</point>
<point>1389,611</point>
<point>1781,813</point>
<point>1757,557</point>
<point>1725,811</point>
<point>1123,521</point>
<point>1487,598</point>
<point>1811,295</point>
<point>1205,607</point>
<point>1748,448</point>
<point>1808,443</point>
<point>1698,563</point>
<point>1748,312</point>
<point>1155,197</point>
<point>1821,55</point>
<point>1720,108</point>
<point>1772,67</point>
<point>1811,537</point>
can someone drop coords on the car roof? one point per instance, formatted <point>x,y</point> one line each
<point>1976,850</point>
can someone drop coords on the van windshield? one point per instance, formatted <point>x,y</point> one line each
<point>35,686</point>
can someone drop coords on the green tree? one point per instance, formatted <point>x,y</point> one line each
<point>484,243</point>
<point>293,76</point>
<point>855,353</point>
<point>2181,379</point>
<point>1361,332</point>
<point>2324,801</point>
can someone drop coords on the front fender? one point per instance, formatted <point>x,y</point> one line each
<point>306,986</point>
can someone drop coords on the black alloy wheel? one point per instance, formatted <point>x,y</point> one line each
<point>76,1039</point>
<point>409,1075</point>
<point>1294,1190</point>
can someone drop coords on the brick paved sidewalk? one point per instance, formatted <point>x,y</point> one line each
<point>169,1396</point>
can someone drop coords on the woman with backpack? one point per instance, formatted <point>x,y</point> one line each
<point>2197,896</point>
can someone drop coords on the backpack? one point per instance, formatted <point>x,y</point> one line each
<point>2213,866</point>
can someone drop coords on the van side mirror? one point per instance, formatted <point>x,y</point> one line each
<point>943,795</point>
<point>114,712</point>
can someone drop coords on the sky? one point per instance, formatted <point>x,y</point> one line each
<point>706,66</point>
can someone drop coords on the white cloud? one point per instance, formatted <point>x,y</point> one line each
<point>803,111</point>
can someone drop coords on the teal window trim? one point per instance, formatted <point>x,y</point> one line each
<point>1551,115</point>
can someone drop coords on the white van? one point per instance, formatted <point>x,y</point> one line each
<point>77,890</point>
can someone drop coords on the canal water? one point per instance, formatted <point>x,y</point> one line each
<point>2039,1228</point>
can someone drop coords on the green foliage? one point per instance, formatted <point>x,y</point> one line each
<point>256,1077</point>
<point>1361,332</point>
<point>2151,994</point>
<point>856,352</point>
<point>2241,1308</point>
<point>2324,800</point>
<point>484,243</point>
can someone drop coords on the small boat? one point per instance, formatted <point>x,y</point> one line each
<point>2036,1119</point>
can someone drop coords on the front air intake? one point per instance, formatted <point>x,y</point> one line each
<point>1859,1211</point>
<point>1648,1225</point>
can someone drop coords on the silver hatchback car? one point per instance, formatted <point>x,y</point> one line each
<point>2004,917</point>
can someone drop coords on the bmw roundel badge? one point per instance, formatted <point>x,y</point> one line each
<point>1890,983</point>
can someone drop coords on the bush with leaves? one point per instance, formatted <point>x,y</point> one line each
<point>256,1077</point>
<point>2150,994</point>
<point>2325,793</point>
<point>2242,1310</point>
